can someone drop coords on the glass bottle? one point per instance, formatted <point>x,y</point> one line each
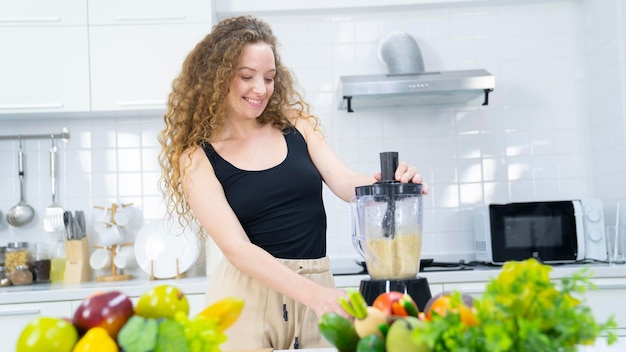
<point>57,262</point>
<point>40,263</point>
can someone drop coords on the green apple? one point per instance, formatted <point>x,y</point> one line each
<point>47,334</point>
<point>399,336</point>
<point>162,302</point>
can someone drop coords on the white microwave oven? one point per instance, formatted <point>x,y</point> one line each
<point>565,231</point>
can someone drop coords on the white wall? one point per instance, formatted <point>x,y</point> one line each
<point>541,137</point>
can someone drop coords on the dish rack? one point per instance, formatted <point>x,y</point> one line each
<point>178,275</point>
<point>115,276</point>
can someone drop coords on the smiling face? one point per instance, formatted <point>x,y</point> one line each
<point>253,82</point>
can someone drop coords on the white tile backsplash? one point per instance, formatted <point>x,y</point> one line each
<point>554,128</point>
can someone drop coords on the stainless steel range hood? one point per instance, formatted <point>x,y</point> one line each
<point>446,87</point>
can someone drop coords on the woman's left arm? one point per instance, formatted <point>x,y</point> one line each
<point>336,174</point>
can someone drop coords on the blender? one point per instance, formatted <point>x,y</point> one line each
<point>387,232</point>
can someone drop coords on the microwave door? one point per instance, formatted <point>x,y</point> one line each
<point>542,230</point>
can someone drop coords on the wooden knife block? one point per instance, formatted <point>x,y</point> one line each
<point>77,267</point>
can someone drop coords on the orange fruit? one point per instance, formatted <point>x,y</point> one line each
<point>442,304</point>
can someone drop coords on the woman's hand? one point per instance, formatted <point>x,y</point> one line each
<point>406,173</point>
<point>328,302</point>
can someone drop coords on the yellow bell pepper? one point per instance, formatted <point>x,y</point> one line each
<point>96,340</point>
<point>226,311</point>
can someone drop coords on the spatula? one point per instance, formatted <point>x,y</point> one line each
<point>53,218</point>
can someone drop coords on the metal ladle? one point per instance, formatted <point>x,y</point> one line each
<point>21,214</point>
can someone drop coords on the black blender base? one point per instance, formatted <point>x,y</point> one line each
<point>417,288</point>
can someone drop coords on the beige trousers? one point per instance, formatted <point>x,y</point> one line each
<point>270,319</point>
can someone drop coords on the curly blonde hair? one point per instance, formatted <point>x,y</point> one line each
<point>196,109</point>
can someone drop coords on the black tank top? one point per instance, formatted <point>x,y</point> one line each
<point>281,208</point>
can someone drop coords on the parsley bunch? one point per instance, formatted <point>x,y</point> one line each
<point>521,310</point>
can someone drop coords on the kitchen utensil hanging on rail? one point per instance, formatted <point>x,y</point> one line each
<point>21,214</point>
<point>53,219</point>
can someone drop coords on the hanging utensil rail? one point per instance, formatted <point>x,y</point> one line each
<point>64,135</point>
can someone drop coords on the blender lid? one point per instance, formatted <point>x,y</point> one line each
<point>389,189</point>
<point>388,186</point>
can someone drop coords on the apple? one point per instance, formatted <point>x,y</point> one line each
<point>399,337</point>
<point>109,310</point>
<point>47,334</point>
<point>162,302</point>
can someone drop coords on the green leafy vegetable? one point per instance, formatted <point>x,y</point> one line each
<point>171,337</point>
<point>138,334</point>
<point>202,334</point>
<point>522,310</point>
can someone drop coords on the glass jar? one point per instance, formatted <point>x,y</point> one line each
<point>16,254</point>
<point>4,279</point>
<point>21,275</point>
<point>40,264</point>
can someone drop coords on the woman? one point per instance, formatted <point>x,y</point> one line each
<point>243,157</point>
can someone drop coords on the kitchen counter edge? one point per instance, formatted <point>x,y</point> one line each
<point>198,285</point>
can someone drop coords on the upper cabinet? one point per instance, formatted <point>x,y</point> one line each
<point>137,48</point>
<point>119,12</point>
<point>44,66</point>
<point>86,56</point>
<point>224,7</point>
<point>43,13</point>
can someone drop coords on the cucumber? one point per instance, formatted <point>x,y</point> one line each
<point>371,343</point>
<point>339,331</point>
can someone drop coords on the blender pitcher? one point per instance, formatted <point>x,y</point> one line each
<point>387,224</point>
<point>387,232</point>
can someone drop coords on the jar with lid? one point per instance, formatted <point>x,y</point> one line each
<point>16,254</point>
<point>4,279</point>
<point>40,263</point>
<point>21,275</point>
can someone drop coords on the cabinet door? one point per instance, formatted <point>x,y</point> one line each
<point>609,299</point>
<point>14,317</point>
<point>43,12</point>
<point>44,69</point>
<point>117,12</point>
<point>196,303</point>
<point>132,67</point>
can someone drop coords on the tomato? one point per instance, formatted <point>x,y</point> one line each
<point>43,334</point>
<point>395,303</point>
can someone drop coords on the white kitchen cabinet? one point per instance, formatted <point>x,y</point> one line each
<point>132,66</point>
<point>609,299</point>
<point>138,47</point>
<point>64,56</point>
<point>43,13</point>
<point>14,317</point>
<point>44,66</point>
<point>116,12</point>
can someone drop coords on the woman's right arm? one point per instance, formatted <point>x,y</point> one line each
<point>206,198</point>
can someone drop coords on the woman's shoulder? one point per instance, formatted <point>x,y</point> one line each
<point>303,122</point>
<point>194,155</point>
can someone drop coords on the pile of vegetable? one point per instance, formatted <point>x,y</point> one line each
<point>109,322</point>
<point>521,310</point>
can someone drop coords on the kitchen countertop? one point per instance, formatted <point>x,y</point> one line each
<point>198,285</point>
